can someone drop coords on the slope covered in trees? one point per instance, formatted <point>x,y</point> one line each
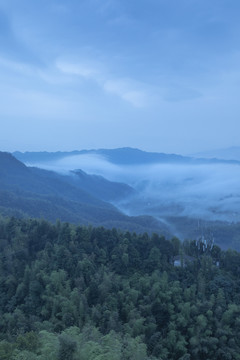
<point>37,193</point>
<point>73,292</point>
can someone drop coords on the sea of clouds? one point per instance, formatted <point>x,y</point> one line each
<point>210,191</point>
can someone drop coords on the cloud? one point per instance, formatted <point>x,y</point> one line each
<point>26,91</point>
<point>123,88</point>
<point>127,89</point>
<point>78,69</point>
<point>16,66</point>
<point>91,163</point>
<point>210,192</point>
<point>172,73</point>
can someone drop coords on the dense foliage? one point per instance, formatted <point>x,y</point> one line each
<point>73,292</point>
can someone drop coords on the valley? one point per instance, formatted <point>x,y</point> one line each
<point>168,193</point>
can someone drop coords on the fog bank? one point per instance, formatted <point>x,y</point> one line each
<point>209,191</point>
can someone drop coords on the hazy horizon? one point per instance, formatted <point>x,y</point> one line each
<point>228,153</point>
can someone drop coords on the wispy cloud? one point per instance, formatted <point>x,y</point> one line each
<point>15,66</point>
<point>78,69</point>
<point>123,88</point>
<point>127,89</point>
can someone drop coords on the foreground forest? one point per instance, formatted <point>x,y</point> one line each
<point>81,293</point>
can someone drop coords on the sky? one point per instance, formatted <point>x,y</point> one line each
<point>159,75</point>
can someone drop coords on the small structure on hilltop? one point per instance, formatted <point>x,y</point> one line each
<point>205,240</point>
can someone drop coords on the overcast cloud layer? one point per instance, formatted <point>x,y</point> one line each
<point>160,75</point>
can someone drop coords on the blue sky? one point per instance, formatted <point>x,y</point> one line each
<point>160,75</point>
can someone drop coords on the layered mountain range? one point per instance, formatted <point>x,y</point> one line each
<point>128,189</point>
<point>121,156</point>
<point>76,197</point>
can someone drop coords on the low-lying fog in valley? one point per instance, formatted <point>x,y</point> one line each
<point>205,191</point>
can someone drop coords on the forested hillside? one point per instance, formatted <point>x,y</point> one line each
<point>77,198</point>
<point>74,292</point>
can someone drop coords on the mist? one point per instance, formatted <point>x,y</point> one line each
<point>90,163</point>
<point>210,191</point>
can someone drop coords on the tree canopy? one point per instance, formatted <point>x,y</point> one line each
<point>77,292</point>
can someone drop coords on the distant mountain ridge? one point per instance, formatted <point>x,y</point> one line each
<point>33,192</point>
<point>119,156</point>
<point>231,153</point>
